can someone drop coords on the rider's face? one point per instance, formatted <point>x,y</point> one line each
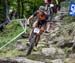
<point>41,16</point>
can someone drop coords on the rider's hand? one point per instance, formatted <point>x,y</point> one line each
<point>28,22</point>
<point>28,25</point>
<point>57,5</point>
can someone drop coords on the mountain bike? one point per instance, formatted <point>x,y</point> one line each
<point>49,9</point>
<point>33,39</point>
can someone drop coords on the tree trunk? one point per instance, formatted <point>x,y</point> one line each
<point>18,8</point>
<point>6,11</point>
<point>2,13</point>
<point>22,3</point>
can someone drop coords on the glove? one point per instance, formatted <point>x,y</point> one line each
<point>28,25</point>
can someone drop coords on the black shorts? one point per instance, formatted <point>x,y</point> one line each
<point>42,23</point>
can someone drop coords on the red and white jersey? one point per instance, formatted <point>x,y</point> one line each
<point>48,1</point>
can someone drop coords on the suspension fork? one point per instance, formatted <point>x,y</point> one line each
<point>30,36</point>
<point>38,37</point>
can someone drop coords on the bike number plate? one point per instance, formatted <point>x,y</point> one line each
<point>36,30</point>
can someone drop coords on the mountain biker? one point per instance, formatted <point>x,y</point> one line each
<point>41,19</point>
<point>51,11</point>
<point>48,2</point>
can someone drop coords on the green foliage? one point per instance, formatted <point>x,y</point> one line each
<point>31,6</point>
<point>11,30</point>
<point>2,11</point>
